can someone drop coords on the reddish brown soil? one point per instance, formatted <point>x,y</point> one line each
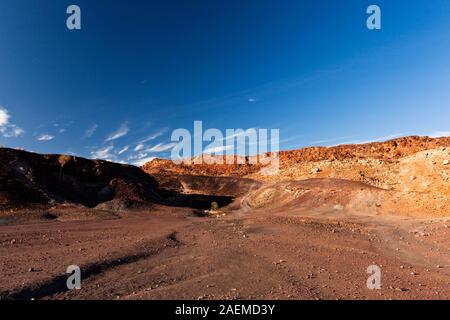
<point>309,232</point>
<point>171,254</point>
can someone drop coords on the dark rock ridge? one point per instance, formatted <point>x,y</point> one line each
<point>32,179</point>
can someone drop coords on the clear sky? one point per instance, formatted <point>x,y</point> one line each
<point>140,69</point>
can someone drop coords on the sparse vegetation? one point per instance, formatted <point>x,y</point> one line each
<point>214,206</point>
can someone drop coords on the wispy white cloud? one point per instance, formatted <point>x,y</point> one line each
<point>105,153</point>
<point>7,129</point>
<point>389,137</point>
<point>91,130</point>
<point>330,141</point>
<point>123,150</point>
<point>153,136</point>
<point>237,135</point>
<point>219,149</point>
<point>161,147</point>
<point>45,137</point>
<point>142,152</point>
<point>142,149</point>
<point>122,131</point>
<point>11,131</point>
<point>4,117</point>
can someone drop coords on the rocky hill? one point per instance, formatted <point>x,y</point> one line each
<point>391,150</point>
<point>414,170</point>
<point>28,179</point>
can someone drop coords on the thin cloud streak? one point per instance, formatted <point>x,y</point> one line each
<point>219,149</point>
<point>91,130</point>
<point>123,150</point>
<point>379,139</point>
<point>121,132</point>
<point>153,136</point>
<point>105,153</point>
<point>160,147</point>
<point>45,137</point>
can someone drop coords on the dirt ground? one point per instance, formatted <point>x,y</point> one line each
<point>173,253</point>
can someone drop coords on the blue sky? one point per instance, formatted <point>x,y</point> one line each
<point>140,69</point>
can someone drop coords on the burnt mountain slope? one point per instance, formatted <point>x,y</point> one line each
<point>27,178</point>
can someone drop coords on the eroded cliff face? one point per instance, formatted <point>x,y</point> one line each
<point>413,172</point>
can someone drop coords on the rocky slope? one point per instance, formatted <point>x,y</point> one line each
<point>388,151</point>
<point>28,179</point>
<point>414,171</point>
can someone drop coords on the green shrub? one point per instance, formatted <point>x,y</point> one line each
<point>214,206</point>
